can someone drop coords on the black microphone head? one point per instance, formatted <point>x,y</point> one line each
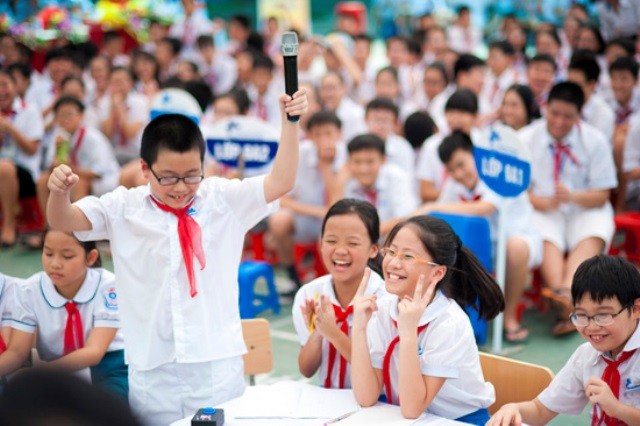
<point>289,44</point>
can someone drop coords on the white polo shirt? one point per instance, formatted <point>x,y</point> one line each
<point>28,121</point>
<point>395,193</point>
<point>39,306</point>
<point>447,348</point>
<point>324,285</point>
<point>137,111</point>
<point>92,151</point>
<point>600,115</point>
<point>162,322</point>
<point>566,393</point>
<point>594,168</point>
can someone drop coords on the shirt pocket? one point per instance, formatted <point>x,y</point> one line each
<point>630,389</point>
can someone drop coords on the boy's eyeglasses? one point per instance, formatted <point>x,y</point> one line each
<point>602,320</point>
<point>407,258</point>
<point>172,180</point>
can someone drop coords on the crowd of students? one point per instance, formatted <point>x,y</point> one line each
<point>375,152</point>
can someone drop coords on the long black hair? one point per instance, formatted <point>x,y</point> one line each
<point>466,281</point>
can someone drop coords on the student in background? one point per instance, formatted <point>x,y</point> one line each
<point>464,193</point>
<point>369,177</point>
<point>541,71</point>
<point>72,307</point>
<point>502,74</point>
<point>263,91</point>
<point>322,308</point>
<point>303,209</point>
<point>572,174</point>
<point>603,371</point>
<point>174,314</point>
<point>21,130</point>
<point>418,346</point>
<point>519,107</point>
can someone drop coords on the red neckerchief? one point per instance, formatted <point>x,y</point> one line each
<point>561,150</point>
<point>341,321</point>
<point>73,158</point>
<point>371,195</point>
<point>386,374</point>
<point>611,376</point>
<point>73,333</point>
<point>3,346</point>
<point>472,197</point>
<point>190,240</point>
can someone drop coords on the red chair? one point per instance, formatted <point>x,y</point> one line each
<point>29,218</point>
<point>257,249</point>
<point>627,224</point>
<point>307,261</point>
<point>532,296</point>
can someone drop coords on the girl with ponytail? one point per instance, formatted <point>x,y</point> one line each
<point>418,346</point>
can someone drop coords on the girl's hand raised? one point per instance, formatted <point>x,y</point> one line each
<point>308,310</point>
<point>410,309</point>
<point>363,305</point>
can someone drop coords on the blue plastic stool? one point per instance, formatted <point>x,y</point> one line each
<point>475,234</point>
<point>252,303</point>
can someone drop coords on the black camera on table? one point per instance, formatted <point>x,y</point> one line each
<point>208,417</point>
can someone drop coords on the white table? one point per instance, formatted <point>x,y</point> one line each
<point>236,408</point>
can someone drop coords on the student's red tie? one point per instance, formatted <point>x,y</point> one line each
<point>3,346</point>
<point>472,197</point>
<point>386,374</point>
<point>371,195</point>
<point>622,114</point>
<point>611,376</point>
<point>73,334</point>
<point>190,240</point>
<point>561,150</point>
<point>341,321</point>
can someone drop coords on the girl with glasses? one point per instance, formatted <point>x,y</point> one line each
<point>418,346</point>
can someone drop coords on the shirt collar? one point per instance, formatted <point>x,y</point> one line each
<point>85,294</point>
<point>437,306</point>
<point>569,139</point>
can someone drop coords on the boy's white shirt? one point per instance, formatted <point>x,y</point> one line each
<point>137,111</point>
<point>599,114</point>
<point>400,152</point>
<point>38,306</point>
<point>447,348</point>
<point>352,117</point>
<point>566,393</point>
<point>323,285</point>
<point>162,322</point>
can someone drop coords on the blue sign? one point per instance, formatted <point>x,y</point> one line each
<point>245,140</point>
<point>501,160</point>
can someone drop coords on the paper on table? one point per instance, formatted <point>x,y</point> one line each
<point>296,400</point>
<point>388,415</point>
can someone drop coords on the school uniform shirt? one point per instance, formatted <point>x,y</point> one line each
<point>410,80</point>
<point>446,348</point>
<point>28,121</point>
<point>464,40</point>
<point>518,209</point>
<point>137,111</point>
<point>41,94</point>
<point>6,300</point>
<point>400,152</point>
<point>631,157</point>
<point>220,74</point>
<point>591,167</point>
<point>352,117</point>
<point>187,29</point>
<point>393,193</point>
<point>566,393</point>
<point>622,23</point>
<point>266,106</point>
<point>495,87</point>
<point>622,113</point>
<point>39,306</point>
<point>599,114</point>
<point>324,285</point>
<point>162,322</point>
<point>90,150</point>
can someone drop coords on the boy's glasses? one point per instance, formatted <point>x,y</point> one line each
<point>407,258</point>
<point>172,180</point>
<point>602,320</point>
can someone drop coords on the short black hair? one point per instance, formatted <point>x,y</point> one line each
<point>625,64</point>
<point>174,132</point>
<point>450,144</point>
<point>58,54</point>
<point>606,277</point>
<point>552,33</point>
<point>439,66</point>
<point>462,100</point>
<point>545,58</point>
<point>68,100</point>
<point>174,43</point>
<point>586,63</point>
<point>503,46</point>
<point>390,69</point>
<point>363,37</point>
<point>22,69</point>
<point>597,34</point>
<point>465,63</point>
<point>71,78</point>
<point>366,142</point>
<point>262,62</point>
<point>239,97</point>
<point>241,20</point>
<point>626,43</point>
<point>111,35</point>
<point>324,117</point>
<point>568,92</point>
<point>383,103</point>
<point>205,41</point>
<point>418,127</point>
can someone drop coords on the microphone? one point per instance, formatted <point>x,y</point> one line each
<point>290,55</point>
